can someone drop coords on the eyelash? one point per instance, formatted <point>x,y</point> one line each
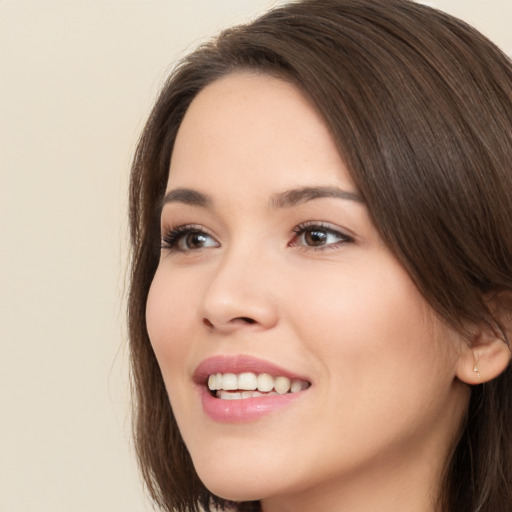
<point>310,227</point>
<point>174,236</point>
<point>170,241</point>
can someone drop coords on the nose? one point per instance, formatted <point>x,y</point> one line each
<point>240,294</point>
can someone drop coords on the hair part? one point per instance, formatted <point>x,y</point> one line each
<point>420,106</point>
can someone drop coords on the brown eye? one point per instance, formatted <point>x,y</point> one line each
<point>193,240</point>
<point>187,238</point>
<point>315,237</point>
<point>318,236</point>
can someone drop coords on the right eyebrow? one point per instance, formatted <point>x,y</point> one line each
<point>185,196</point>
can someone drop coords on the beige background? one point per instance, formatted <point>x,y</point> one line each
<point>77,78</point>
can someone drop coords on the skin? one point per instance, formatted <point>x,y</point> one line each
<point>384,407</point>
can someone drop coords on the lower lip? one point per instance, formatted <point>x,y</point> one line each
<point>245,409</point>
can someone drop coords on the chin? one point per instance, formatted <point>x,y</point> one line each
<point>240,480</point>
<point>234,489</point>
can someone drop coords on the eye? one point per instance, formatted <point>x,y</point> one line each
<point>187,238</point>
<point>319,236</point>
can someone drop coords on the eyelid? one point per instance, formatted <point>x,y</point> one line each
<point>172,235</point>
<point>345,237</point>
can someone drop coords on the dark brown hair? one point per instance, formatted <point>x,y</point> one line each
<point>420,106</point>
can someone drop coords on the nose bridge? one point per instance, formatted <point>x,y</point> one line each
<point>240,290</point>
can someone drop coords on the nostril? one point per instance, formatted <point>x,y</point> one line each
<point>232,322</point>
<point>246,319</point>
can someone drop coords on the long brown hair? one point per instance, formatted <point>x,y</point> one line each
<point>420,106</point>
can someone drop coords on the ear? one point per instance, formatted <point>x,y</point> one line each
<point>483,358</point>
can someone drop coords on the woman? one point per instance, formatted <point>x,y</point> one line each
<point>321,292</point>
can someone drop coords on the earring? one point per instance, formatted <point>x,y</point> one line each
<point>475,369</point>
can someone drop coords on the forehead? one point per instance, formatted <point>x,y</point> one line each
<point>252,128</point>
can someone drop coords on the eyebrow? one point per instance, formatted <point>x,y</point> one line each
<point>186,196</point>
<point>285,199</point>
<point>304,194</point>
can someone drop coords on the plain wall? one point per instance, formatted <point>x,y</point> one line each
<point>77,79</point>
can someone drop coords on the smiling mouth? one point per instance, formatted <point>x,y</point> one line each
<point>232,386</point>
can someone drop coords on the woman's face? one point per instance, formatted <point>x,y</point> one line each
<point>272,275</point>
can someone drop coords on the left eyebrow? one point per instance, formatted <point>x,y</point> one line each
<point>304,194</point>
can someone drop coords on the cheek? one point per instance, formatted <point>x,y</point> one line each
<point>372,320</point>
<point>380,356</point>
<point>168,313</point>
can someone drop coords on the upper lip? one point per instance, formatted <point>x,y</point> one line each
<point>240,364</point>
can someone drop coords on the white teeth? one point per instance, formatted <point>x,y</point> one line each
<point>229,382</point>
<point>282,385</point>
<point>215,381</point>
<point>226,395</point>
<point>247,381</point>
<point>230,395</point>
<point>230,386</point>
<point>298,385</point>
<point>265,382</point>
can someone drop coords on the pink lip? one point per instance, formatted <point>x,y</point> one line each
<point>248,409</point>
<point>239,364</point>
